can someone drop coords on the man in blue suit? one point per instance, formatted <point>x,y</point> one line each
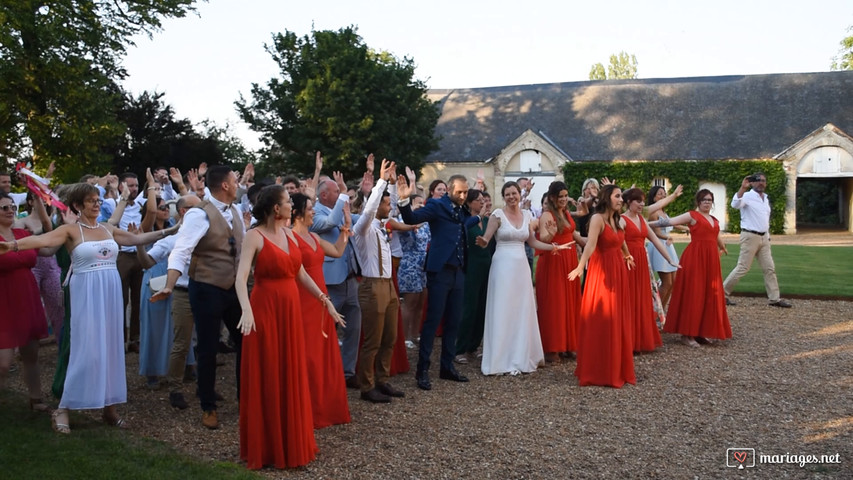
<point>340,273</point>
<point>445,266</point>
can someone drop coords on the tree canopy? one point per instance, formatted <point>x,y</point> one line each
<point>844,59</point>
<point>622,66</point>
<point>338,96</point>
<point>59,62</point>
<point>156,137</point>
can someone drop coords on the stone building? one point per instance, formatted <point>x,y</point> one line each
<point>803,120</point>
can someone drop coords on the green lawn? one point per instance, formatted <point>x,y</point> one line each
<point>30,449</point>
<point>811,271</point>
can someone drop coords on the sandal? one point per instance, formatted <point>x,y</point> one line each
<point>38,405</point>
<point>62,428</point>
<point>689,341</point>
<point>116,422</point>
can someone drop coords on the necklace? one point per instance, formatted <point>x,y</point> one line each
<point>89,226</point>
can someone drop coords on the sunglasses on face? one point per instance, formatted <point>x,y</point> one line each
<point>163,207</point>
<point>9,208</point>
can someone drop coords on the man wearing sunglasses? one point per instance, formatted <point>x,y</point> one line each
<point>209,243</point>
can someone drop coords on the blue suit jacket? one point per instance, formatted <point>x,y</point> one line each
<point>446,231</point>
<point>327,223</point>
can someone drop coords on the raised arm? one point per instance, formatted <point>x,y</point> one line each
<point>115,218</point>
<point>150,203</point>
<point>547,227</point>
<point>657,206</point>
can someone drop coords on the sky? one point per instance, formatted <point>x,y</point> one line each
<point>205,61</point>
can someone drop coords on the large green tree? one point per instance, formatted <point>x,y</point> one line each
<point>338,96</point>
<point>155,136</point>
<point>59,61</point>
<point>844,59</point>
<point>622,66</point>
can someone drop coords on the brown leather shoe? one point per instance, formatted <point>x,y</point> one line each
<point>387,389</point>
<point>375,396</point>
<point>209,420</point>
<point>352,382</point>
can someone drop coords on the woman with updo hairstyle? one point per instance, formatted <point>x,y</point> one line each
<point>558,301</point>
<point>322,353</point>
<point>698,307</point>
<point>276,419</point>
<point>605,336</point>
<point>511,341</point>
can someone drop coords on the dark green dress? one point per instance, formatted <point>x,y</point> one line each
<point>63,258</point>
<point>476,284</point>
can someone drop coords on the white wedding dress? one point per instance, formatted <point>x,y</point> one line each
<point>511,341</point>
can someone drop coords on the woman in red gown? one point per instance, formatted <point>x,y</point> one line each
<point>697,309</point>
<point>325,368</point>
<point>605,336</point>
<point>638,298</point>
<point>558,300</point>
<point>276,420</point>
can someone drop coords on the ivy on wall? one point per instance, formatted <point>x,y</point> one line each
<point>689,174</point>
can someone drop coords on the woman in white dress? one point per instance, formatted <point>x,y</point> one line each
<point>657,263</point>
<point>96,368</point>
<point>511,341</point>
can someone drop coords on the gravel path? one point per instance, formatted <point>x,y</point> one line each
<point>782,385</point>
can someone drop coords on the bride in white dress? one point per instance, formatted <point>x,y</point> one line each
<point>511,341</point>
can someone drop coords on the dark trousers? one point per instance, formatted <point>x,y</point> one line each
<point>445,297</point>
<point>130,271</point>
<point>211,307</point>
<point>474,313</point>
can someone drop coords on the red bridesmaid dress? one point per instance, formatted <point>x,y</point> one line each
<point>605,335</point>
<point>276,423</point>
<point>323,356</point>
<point>558,300</point>
<point>638,297</point>
<point>697,307</point>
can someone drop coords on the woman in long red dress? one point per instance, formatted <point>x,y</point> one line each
<point>638,298</point>
<point>697,309</point>
<point>276,420</point>
<point>325,368</point>
<point>558,300</point>
<point>605,336</point>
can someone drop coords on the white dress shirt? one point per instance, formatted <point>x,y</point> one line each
<point>161,250</point>
<point>132,214</point>
<point>194,227</point>
<point>754,211</point>
<point>370,236</point>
